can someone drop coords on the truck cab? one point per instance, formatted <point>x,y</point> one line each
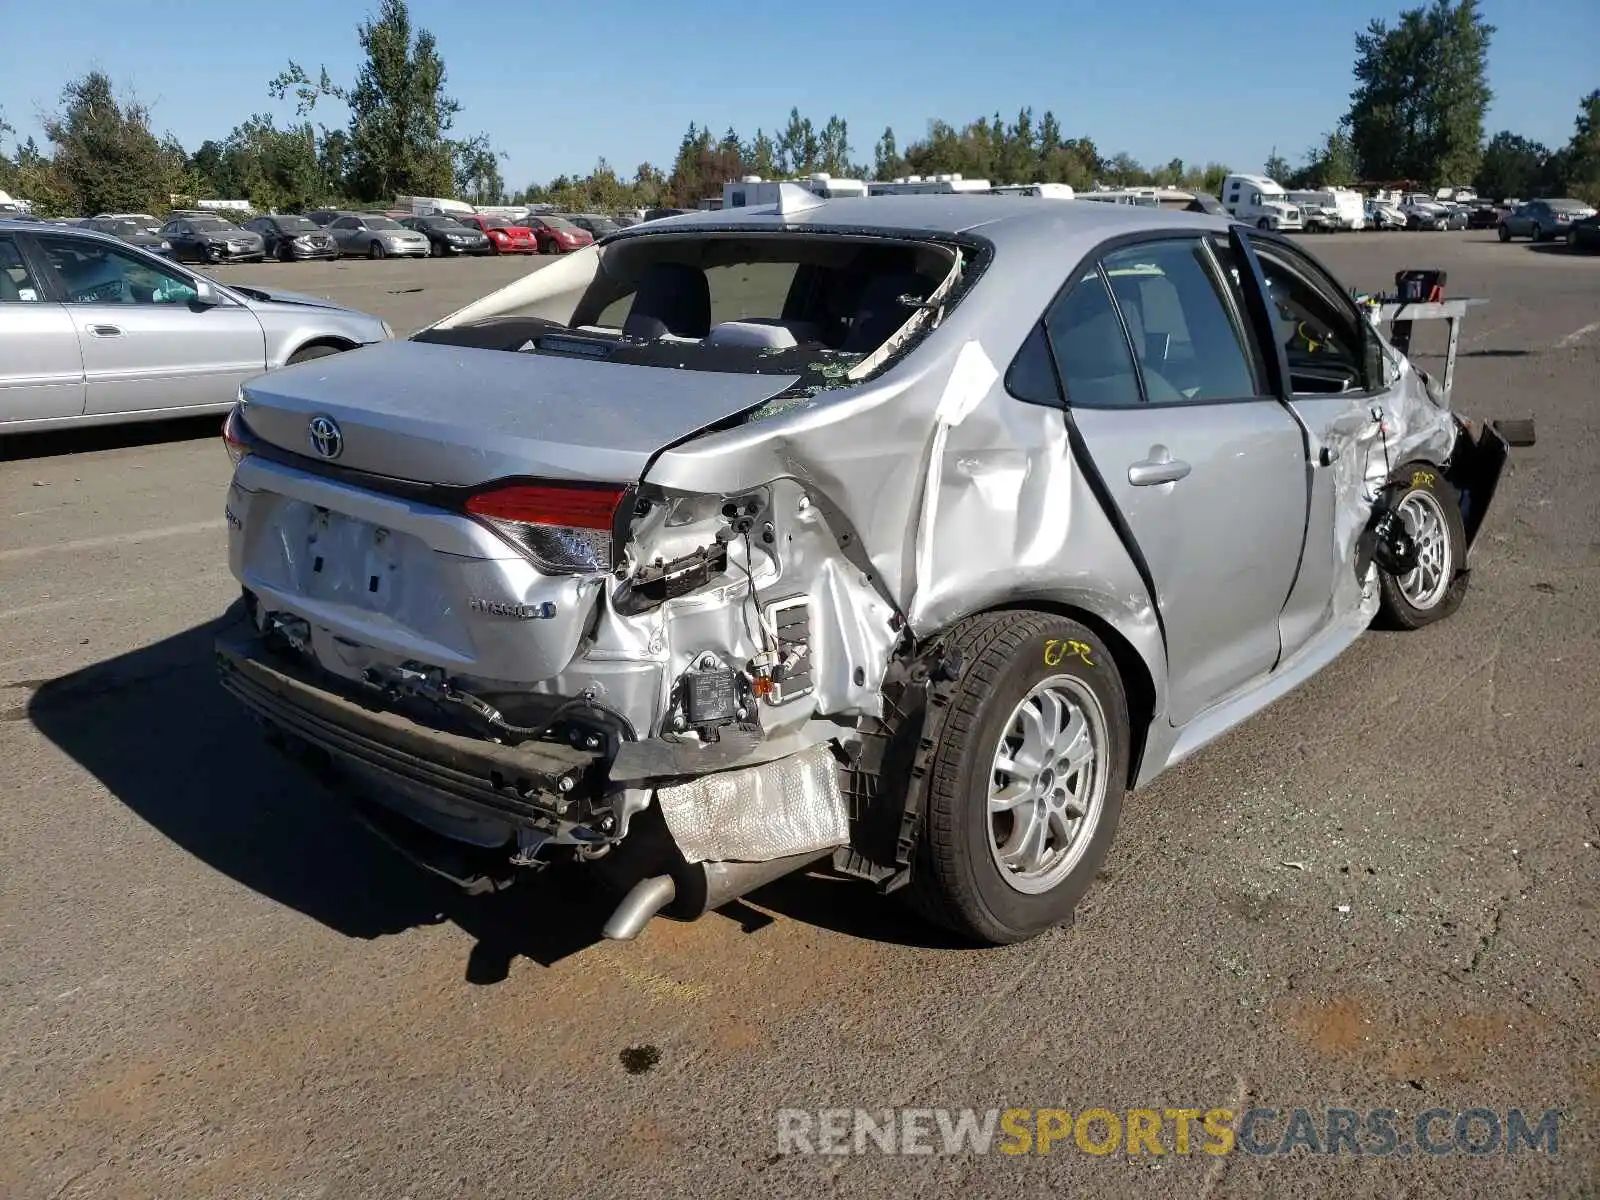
<point>1260,201</point>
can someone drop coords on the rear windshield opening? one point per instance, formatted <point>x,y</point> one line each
<point>764,304</point>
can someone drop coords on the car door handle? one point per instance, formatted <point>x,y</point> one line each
<point>105,331</point>
<point>1157,470</point>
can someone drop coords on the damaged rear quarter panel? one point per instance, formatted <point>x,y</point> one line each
<point>994,500</point>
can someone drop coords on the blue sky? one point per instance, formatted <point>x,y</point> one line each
<point>556,86</point>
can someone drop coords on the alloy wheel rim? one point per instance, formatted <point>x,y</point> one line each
<point>1047,784</point>
<point>1424,586</point>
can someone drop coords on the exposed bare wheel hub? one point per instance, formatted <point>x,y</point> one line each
<point>1424,586</point>
<point>1047,784</point>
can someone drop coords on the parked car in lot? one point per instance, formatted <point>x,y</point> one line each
<point>594,224</point>
<point>505,237</point>
<point>211,240</point>
<point>291,238</point>
<point>377,236</point>
<point>327,216</point>
<point>94,331</point>
<point>581,572</point>
<point>447,236</point>
<point>556,234</point>
<point>134,232</point>
<point>1584,233</point>
<point>1424,213</point>
<point>1483,214</point>
<point>1383,216</point>
<point>1456,216</point>
<point>1541,219</point>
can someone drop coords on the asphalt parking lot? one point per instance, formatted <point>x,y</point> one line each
<point>1379,894</point>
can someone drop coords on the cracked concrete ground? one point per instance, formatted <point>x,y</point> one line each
<point>1379,894</point>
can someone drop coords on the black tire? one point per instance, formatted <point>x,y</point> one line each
<point>1263,223</point>
<point>1505,234</point>
<point>307,353</point>
<point>1536,234</point>
<point>1438,495</point>
<point>284,252</point>
<point>956,881</point>
<point>376,250</point>
<point>435,250</point>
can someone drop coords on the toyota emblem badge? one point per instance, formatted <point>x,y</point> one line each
<point>326,439</point>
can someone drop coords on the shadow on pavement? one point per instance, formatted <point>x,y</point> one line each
<point>156,729</point>
<point>92,438</point>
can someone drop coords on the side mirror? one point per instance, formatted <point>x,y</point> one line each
<point>206,294</point>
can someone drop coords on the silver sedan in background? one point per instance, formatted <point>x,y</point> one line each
<point>377,236</point>
<point>95,331</point>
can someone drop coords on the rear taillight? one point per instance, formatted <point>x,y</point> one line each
<point>566,528</point>
<point>233,436</point>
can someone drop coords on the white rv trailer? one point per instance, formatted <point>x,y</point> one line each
<point>753,190</point>
<point>916,185</point>
<point>1050,191</point>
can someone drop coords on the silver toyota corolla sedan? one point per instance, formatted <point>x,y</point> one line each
<point>94,331</point>
<point>908,533</point>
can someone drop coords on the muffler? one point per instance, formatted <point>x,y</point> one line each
<point>695,889</point>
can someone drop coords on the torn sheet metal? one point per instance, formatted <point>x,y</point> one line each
<point>1370,438</point>
<point>791,806</point>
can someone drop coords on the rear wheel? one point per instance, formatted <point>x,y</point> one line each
<point>1025,785</point>
<point>1263,223</point>
<point>1430,508</point>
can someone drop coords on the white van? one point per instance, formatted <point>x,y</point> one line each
<point>1260,201</point>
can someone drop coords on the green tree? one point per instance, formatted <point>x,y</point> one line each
<point>761,155</point>
<point>1582,155</point>
<point>1512,165</point>
<point>1276,166</point>
<point>886,161</point>
<point>476,171</point>
<point>105,156</point>
<point>1329,164</point>
<point>400,114</point>
<point>1421,94</point>
<point>833,147</point>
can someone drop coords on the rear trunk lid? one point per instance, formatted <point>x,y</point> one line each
<point>463,416</point>
<point>382,578</point>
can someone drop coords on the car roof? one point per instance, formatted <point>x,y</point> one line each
<point>74,231</point>
<point>1007,220</point>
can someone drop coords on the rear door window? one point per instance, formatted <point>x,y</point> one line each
<point>1181,322</point>
<point>16,284</point>
<point>1090,349</point>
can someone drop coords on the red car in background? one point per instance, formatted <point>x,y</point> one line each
<point>504,237</point>
<point>557,235</point>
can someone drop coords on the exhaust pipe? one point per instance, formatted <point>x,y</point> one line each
<point>705,886</point>
<point>643,901</point>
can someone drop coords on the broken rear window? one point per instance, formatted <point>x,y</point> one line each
<point>816,305</point>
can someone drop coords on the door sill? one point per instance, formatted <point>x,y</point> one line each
<point>1179,743</point>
